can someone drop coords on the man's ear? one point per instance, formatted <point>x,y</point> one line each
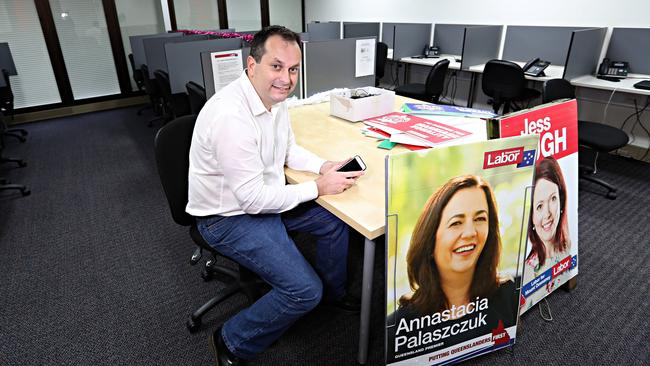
<point>250,65</point>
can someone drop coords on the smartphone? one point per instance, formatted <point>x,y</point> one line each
<point>353,165</point>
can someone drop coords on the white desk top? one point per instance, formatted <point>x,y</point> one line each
<point>625,85</point>
<point>453,65</point>
<point>552,72</point>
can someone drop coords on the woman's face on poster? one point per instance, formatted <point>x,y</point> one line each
<point>546,209</point>
<point>463,230</point>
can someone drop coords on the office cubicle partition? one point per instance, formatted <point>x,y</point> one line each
<point>406,39</point>
<point>449,37</point>
<point>324,31</point>
<point>480,45</point>
<point>207,79</point>
<point>154,50</point>
<point>184,60</point>
<point>137,46</point>
<point>321,74</point>
<point>548,43</point>
<point>584,52</point>
<point>6,60</point>
<point>631,45</point>
<point>355,30</point>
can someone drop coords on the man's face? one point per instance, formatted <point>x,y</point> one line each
<point>275,77</point>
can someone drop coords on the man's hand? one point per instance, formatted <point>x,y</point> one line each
<point>333,182</point>
<point>329,165</point>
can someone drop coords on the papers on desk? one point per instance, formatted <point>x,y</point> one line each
<point>413,130</point>
<point>445,110</point>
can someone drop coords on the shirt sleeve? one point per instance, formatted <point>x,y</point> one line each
<point>236,150</point>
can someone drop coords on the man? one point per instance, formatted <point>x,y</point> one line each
<point>237,191</point>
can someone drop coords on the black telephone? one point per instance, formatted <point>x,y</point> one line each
<point>613,70</point>
<point>431,52</point>
<point>535,67</point>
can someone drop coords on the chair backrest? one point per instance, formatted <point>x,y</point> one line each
<point>137,73</point>
<point>555,89</point>
<point>381,54</point>
<point>150,87</point>
<point>436,79</point>
<point>196,95</point>
<point>6,94</point>
<point>503,80</point>
<point>172,147</point>
<point>162,79</point>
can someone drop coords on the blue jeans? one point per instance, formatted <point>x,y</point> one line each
<point>261,244</point>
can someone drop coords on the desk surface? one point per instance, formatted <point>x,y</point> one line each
<point>552,72</point>
<point>363,205</point>
<point>625,85</point>
<point>453,65</point>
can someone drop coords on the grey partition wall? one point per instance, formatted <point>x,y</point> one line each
<point>137,46</point>
<point>584,52</point>
<point>480,45</point>
<point>324,31</point>
<point>154,50</point>
<point>206,69</point>
<point>184,60</point>
<point>6,60</point>
<point>355,30</point>
<point>321,74</point>
<point>548,43</point>
<point>406,39</point>
<point>449,37</point>
<point>631,45</point>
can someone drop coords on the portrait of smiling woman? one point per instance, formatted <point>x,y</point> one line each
<point>453,258</point>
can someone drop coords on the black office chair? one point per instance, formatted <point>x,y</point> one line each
<point>172,148</point>
<point>152,90</point>
<point>505,83</point>
<point>7,108</point>
<point>174,105</point>
<point>381,55</point>
<point>598,137</point>
<point>431,90</point>
<point>4,183</point>
<point>138,78</point>
<point>196,94</point>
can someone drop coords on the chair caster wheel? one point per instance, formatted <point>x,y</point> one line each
<point>207,276</point>
<point>193,325</point>
<point>22,164</point>
<point>611,195</point>
<point>23,132</point>
<point>25,192</point>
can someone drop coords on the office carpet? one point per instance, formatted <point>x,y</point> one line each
<point>94,271</point>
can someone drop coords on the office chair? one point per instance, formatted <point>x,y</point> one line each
<point>7,107</point>
<point>174,105</point>
<point>139,81</point>
<point>152,90</point>
<point>431,90</point>
<point>381,55</point>
<point>598,137</point>
<point>172,148</point>
<point>196,95</point>
<point>505,83</point>
<point>4,183</point>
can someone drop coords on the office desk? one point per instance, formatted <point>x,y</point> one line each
<point>625,85</point>
<point>551,72</point>
<point>362,206</point>
<point>453,65</point>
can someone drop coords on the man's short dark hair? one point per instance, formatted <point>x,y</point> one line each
<point>257,46</point>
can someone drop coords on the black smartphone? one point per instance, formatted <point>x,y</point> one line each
<point>353,165</point>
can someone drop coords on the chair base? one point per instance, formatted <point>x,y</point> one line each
<point>23,190</point>
<point>21,163</point>
<point>194,321</point>
<point>587,174</point>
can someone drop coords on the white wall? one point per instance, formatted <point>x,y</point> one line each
<point>622,13</point>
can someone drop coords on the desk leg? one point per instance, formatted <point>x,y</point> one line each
<point>472,85</point>
<point>366,295</point>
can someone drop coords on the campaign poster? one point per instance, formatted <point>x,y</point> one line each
<point>552,252</point>
<point>456,219</point>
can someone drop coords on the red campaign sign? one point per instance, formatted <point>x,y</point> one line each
<point>557,126</point>
<point>496,158</point>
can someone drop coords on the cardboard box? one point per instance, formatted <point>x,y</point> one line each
<point>379,102</point>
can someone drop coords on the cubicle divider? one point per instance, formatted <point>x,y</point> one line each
<point>154,50</point>
<point>357,29</point>
<point>480,45</point>
<point>208,69</point>
<point>584,52</point>
<point>321,74</point>
<point>406,39</point>
<point>6,60</point>
<point>548,43</point>
<point>324,31</point>
<point>449,37</point>
<point>137,46</point>
<point>631,45</point>
<point>184,60</point>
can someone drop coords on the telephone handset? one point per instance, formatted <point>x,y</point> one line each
<point>613,70</point>
<point>535,67</point>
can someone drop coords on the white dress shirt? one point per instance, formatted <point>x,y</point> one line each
<point>238,153</point>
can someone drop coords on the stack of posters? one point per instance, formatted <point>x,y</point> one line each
<point>445,110</point>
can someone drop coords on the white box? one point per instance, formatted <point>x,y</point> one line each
<point>380,101</point>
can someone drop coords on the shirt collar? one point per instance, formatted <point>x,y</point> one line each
<point>253,99</point>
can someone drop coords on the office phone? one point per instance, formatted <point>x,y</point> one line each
<point>536,67</point>
<point>431,52</point>
<point>613,70</point>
